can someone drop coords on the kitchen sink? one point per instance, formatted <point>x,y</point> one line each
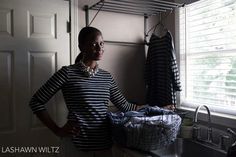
<point>188,148</point>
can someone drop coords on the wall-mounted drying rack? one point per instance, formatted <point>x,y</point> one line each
<point>144,8</point>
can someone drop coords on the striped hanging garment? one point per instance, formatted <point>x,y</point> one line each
<point>161,71</point>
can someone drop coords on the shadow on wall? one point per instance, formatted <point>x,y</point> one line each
<point>126,64</point>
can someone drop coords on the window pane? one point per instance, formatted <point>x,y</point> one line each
<point>207,37</point>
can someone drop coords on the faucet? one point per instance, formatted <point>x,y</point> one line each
<point>224,140</point>
<point>196,128</point>
<point>232,149</point>
<point>233,133</point>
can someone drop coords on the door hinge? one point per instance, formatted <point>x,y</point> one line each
<point>68,24</point>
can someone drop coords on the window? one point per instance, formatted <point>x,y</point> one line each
<point>207,48</point>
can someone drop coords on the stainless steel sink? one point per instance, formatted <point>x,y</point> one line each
<point>188,148</point>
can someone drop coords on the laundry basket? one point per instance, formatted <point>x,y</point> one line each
<point>145,131</point>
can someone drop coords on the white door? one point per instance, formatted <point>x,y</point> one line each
<point>34,43</point>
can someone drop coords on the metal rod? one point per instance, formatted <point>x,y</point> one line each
<point>158,2</point>
<point>131,10</point>
<point>145,28</point>
<point>86,8</point>
<point>127,12</point>
<point>134,7</point>
<point>101,1</point>
<point>152,2</point>
<point>142,6</point>
<point>171,3</point>
<point>123,43</point>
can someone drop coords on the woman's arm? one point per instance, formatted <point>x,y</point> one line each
<point>43,95</point>
<point>118,99</point>
<point>48,90</point>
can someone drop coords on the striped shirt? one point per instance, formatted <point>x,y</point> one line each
<point>161,71</point>
<point>87,102</point>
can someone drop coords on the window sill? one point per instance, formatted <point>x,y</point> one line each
<point>220,120</point>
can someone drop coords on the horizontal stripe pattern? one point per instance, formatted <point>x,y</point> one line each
<point>87,101</point>
<point>161,71</point>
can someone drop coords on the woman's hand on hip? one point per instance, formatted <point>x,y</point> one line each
<point>69,129</point>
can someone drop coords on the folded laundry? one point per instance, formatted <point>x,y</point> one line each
<point>148,129</point>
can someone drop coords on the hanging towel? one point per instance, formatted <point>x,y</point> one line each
<point>161,71</point>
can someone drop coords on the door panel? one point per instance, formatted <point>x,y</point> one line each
<point>6,107</point>
<point>41,66</point>
<point>34,43</point>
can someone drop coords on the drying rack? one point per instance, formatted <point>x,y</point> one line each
<point>145,8</point>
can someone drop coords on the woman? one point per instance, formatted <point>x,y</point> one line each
<point>87,90</point>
